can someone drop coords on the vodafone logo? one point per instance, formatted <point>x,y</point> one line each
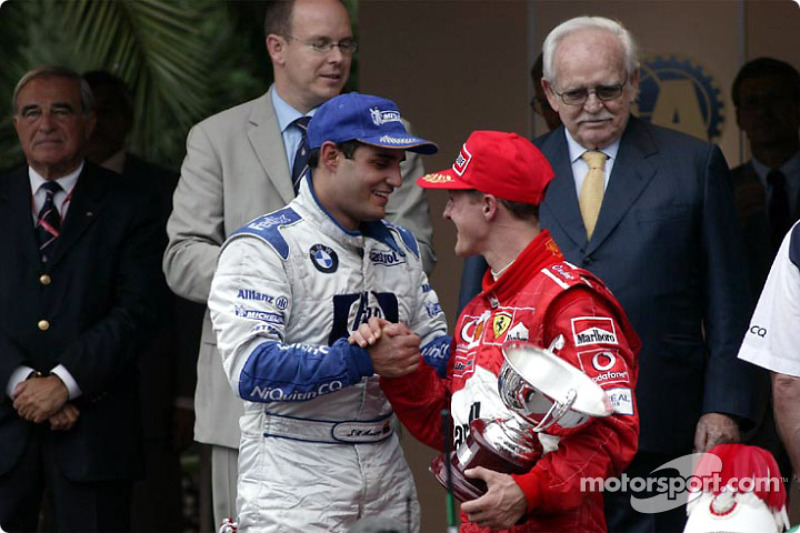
<point>604,367</point>
<point>603,361</point>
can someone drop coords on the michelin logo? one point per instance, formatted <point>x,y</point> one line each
<point>270,394</point>
<point>263,316</point>
<point>382,117</point>
<point>593,330</point>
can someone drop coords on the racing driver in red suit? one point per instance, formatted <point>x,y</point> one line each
<point>530,294</point>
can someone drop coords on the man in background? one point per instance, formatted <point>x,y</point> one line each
<point>167,363</point>
<point>650,211</point>
<point>766,94</point>
<point>247,161</point>
<point>77,288</point>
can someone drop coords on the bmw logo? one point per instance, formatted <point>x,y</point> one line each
<point>324,259</point>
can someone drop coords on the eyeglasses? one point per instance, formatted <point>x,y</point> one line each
<point>324,46</point>
<point>603,93</point>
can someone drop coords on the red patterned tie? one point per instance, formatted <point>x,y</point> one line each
<point>48,223</point>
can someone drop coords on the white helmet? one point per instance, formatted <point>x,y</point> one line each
<point>740,492</point>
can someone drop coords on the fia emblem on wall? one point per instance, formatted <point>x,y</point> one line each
<point>680,93</point>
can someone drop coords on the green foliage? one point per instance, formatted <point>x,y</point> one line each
<point>184,60</point>
<point>181,58</point>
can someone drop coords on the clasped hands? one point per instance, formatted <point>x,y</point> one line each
<point>40,399</point>
<point>393,347</point>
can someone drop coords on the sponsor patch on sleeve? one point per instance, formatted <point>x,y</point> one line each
<point>594,330</point>
<point>604,366</point>
<point>621,400</point>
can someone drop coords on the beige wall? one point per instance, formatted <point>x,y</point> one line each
<point>455,66</point>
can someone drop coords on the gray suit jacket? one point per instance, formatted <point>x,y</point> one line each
<point>235,170</point>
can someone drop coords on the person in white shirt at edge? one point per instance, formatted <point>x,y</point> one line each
<point>318,450</point>
<point>772,341</point>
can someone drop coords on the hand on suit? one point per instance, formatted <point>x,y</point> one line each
<point>713,429</point>
<point>65,418</point>
<point>39,398</point>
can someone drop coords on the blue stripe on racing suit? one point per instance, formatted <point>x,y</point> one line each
<point>437,354</point>
<point>277,372</point>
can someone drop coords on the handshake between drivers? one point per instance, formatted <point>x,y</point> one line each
<point>393,347</point>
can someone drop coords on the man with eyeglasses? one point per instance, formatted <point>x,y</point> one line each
<point>650,211</point>
<point>665,242</point>
<point>250,160</point>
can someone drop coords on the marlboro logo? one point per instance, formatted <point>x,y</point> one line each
<point>593,330</point>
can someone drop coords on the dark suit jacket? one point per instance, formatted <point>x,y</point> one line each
<point>98,303</point>
<point>751,210</point>
<point>170,361</point>
<point>666,244</point>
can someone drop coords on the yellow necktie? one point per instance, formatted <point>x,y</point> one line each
<point>592,190</point>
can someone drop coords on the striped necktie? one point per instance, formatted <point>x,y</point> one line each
<point>300,166</point>
<point>48,222</point>
<point>591,197</point>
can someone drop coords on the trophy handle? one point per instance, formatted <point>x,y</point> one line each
<point>556,411</point>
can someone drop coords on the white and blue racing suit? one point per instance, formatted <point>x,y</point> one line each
<point>318,449</point>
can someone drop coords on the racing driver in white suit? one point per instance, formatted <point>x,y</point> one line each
<point>318,448</point>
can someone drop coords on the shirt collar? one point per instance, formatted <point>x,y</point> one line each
<point>67,182</point>
<point>576,150</point>
<point>789,169</point>
<point>285,113</point>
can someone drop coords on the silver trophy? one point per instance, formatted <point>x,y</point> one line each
<point>545,394</point>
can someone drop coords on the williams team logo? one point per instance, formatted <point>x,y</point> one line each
<point>324,258</point>
<point>593,330</point>
<point>680,93</point>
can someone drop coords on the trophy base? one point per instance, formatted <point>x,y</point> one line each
<point>475,451</point>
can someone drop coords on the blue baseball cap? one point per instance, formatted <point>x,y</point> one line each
<point>365,118</point>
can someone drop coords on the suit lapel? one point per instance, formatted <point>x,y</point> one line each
<point>561,198</point>
<point>16,216</point>
<point>630,176</point>
<point>84,208</point>
<point>267,142</point>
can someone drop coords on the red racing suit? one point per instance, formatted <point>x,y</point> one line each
<point>537,299</point>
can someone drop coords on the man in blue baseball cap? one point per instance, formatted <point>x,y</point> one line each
<point>318,449</point>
